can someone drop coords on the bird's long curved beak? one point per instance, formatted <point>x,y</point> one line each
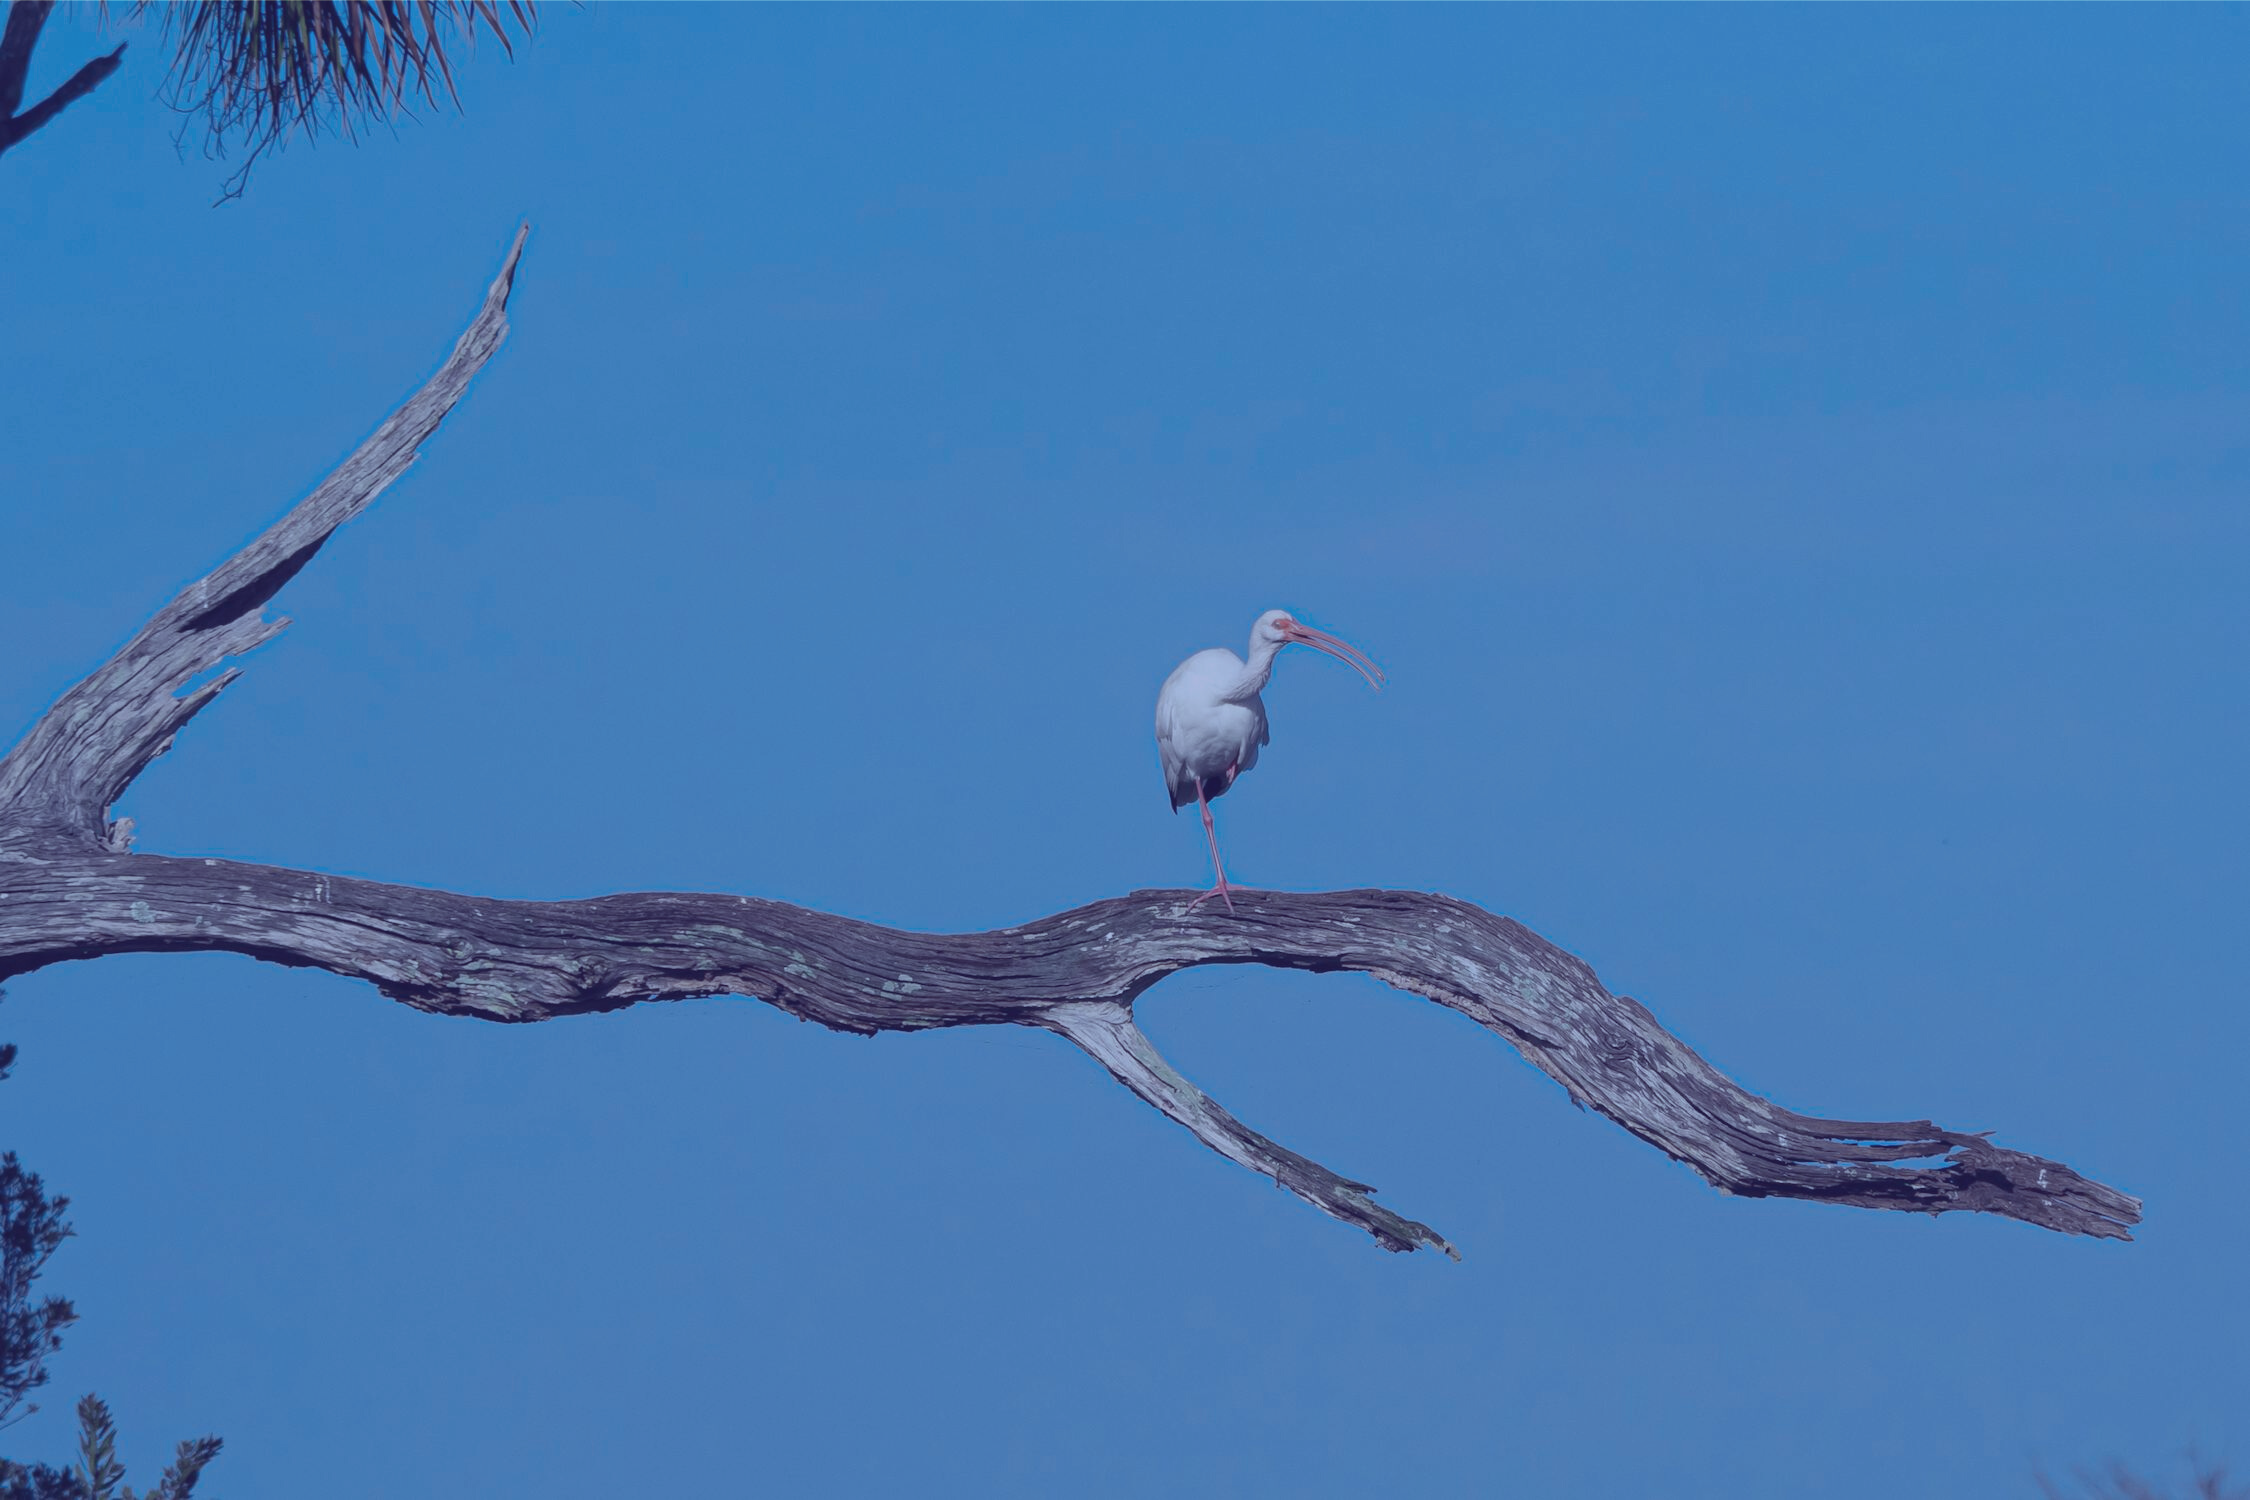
<point>1343,651</point>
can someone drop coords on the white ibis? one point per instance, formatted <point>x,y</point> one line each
<point>1210,720</point>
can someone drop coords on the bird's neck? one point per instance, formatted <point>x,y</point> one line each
<point>1255,672</point>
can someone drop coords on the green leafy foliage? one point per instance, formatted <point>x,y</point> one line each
<point>99,1472</point>
<point>98,1475</point>
<point>32,1227</point>
<point>101,1477</point>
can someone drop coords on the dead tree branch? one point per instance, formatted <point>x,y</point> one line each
<point>70,888</point>
<point>26,19</point>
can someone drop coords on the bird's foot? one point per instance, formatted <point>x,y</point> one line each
<point>1220,891</point>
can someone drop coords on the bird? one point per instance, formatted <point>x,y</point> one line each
<point>1210,721</point>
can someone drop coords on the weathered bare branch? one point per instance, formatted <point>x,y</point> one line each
<point>69,889</point>
<point>18,40</point>
<point>26,18</point>
<point>1106,1031</point>
<point>79,758</point>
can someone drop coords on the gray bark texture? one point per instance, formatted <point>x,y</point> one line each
<point>70,888</point>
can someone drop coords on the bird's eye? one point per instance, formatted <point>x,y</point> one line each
<point>1283,622</point>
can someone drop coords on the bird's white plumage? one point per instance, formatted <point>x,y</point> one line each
<point>1207,725</point>
<point>1211,721</point>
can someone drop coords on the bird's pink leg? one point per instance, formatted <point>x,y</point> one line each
<point>1211,833</point>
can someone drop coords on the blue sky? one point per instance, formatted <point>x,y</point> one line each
<point>1792,464</point>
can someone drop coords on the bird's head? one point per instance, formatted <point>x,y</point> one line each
<point>1277,628</point>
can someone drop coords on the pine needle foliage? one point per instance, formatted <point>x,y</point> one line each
<point>258,72</point>
<point>2206,1481</point>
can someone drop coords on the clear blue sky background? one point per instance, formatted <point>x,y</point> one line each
<point>1792,462</point>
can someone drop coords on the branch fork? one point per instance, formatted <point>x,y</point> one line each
<point>70,888</point>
